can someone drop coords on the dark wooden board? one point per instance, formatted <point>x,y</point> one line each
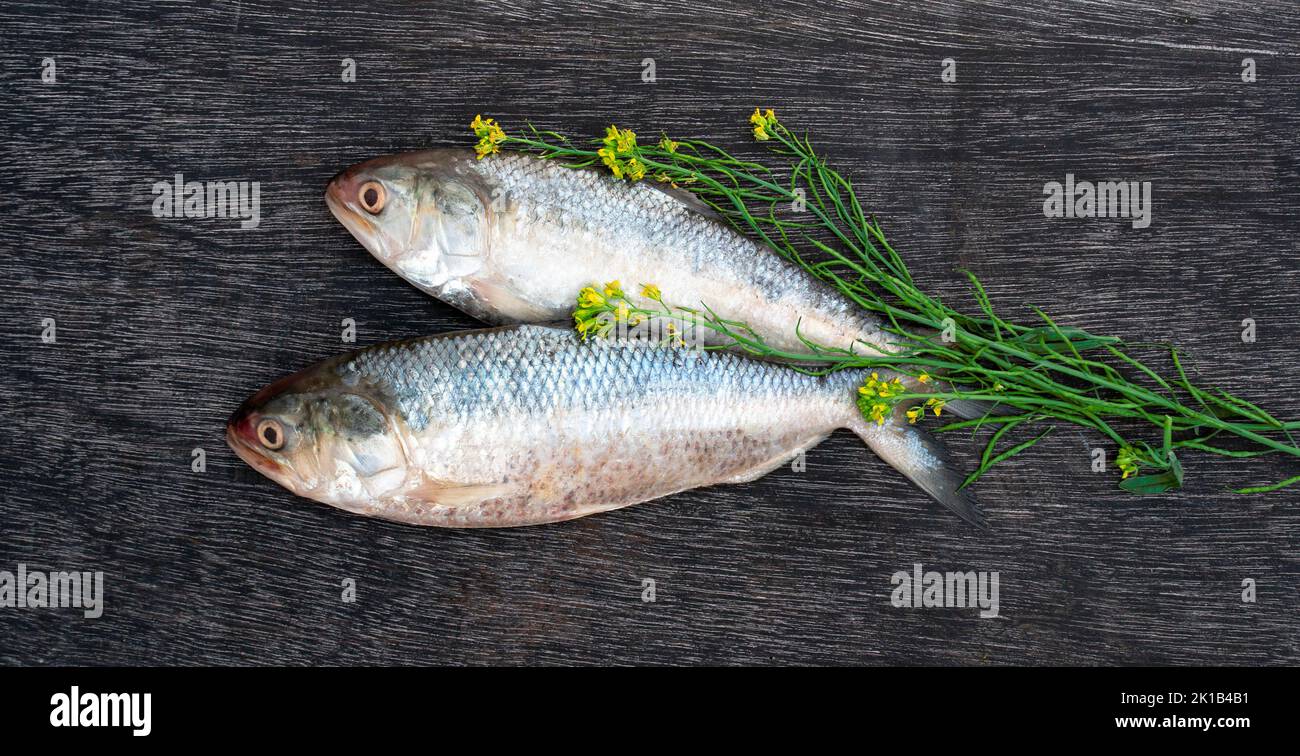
<point>165,325</point>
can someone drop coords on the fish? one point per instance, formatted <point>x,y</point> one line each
<point>514,238</point>
<point>528,424</point>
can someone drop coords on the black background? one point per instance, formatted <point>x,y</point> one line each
<point>165,325</point>
<point>337,706</point>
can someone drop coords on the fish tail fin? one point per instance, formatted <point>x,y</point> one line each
<point>966,409</point>
<point>970,409</point>
<point>922,459</point>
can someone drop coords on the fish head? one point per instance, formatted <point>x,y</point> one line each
<point>425,215</point>
<point>322,438</point>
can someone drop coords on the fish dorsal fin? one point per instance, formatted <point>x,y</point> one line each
<point>688,199</point>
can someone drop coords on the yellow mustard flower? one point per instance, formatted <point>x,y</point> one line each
<point>610,159</point>
<point>619,154</point>
<point>1126,461</point>
<point>763,122</point>
<point>588,322</point>
<point>613,290</point>
<point>490,136</point>
<point>667,145</point>
<point>915,414</point>
<point>635,169</point>
<point>878,398</point>
<point>625,139</point>
<point>674,334</point>
<point>589,297</point>
<point>650,291</point>
<point>923,377</point>
<point>936,405</point>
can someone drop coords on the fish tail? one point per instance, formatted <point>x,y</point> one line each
<point>967,409</point>
<point>922,459</point>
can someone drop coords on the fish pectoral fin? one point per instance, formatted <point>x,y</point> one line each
<point>504,305</point>
<point>453,494</point>
<point>922,459</point>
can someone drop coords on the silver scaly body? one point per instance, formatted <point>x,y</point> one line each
<point>513,238</point>
<point>528,424</point>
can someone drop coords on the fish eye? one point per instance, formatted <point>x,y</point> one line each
<point>271,434</point>
<point>372,197</point>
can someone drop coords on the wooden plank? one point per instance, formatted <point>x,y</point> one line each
<point>165,325</point>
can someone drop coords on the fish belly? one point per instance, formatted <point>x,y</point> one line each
<point>573,476</point>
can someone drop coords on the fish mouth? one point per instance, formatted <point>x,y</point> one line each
<point>357,224</point>
<point>338,206</point>
<point>236,439</point>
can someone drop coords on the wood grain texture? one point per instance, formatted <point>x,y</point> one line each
<point>165,325</point>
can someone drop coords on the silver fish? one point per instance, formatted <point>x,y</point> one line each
<point>513,238</point>
<point>524,425</point>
